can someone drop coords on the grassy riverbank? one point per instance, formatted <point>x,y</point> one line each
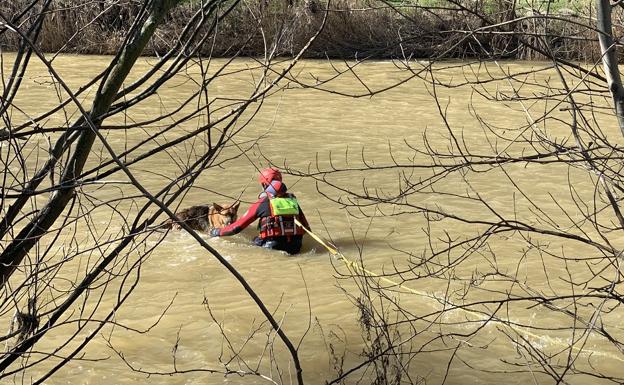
<point>354,28</point>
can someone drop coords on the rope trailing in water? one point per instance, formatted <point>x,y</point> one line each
<point>351,265</point>
<point>354,267</point>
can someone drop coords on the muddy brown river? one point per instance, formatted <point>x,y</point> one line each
<point>188,314</point>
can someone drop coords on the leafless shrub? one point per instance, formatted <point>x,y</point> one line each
<point>70,257</point>
<point>354,28</point>
<point>538,273</point>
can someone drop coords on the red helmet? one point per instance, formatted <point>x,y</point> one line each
<point>268,175</point>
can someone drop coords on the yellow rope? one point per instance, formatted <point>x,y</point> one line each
<point>355,267</point>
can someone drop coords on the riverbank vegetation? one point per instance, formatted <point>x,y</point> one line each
<point>354,28</point>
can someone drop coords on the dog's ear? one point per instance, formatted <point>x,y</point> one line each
<point>235,207</point>
<point>217,207</point>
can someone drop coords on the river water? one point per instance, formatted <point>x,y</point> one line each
<point>211,324</point>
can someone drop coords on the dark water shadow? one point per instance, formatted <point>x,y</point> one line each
<point>311,247</point>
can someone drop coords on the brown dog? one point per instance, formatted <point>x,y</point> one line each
<point>205,217</point>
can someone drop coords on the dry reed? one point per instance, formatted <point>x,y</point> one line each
<point>355,28</point>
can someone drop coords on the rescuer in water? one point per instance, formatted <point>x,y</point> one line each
<point>277,209</point>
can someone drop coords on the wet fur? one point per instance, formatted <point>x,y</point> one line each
<point>205,217</point>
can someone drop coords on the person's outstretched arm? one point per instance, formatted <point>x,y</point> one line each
<point>248,218</point>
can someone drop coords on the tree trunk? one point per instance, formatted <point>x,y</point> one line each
<point>609,59</point>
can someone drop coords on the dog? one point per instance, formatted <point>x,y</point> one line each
<point>205,217</point>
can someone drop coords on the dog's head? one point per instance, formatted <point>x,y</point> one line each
<point>221,216</point>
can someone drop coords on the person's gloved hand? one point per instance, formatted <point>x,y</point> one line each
<point>215,233</point>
